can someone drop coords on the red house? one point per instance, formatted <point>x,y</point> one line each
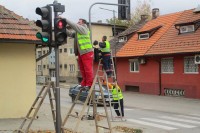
<point>163,57</point>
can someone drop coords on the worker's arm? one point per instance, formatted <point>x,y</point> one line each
<point>81,29</point>
<point>102,44</point>
<point>71,33</point>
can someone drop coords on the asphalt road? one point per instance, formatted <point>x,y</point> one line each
<point>152,119</point>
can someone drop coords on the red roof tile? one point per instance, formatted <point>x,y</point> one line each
<point>15,27</point>
<point>172,42</point>
<point>135,47</point>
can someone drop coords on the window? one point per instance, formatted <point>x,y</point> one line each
<point>143,36</point>
<point>71,51</point>
<point>167,65</point>
<point>60,50</point>
<point>189,65</point>
<point>39,53</point>
<point>43,51</point>
<point>47,66</point>
<point>65,66</point>
<point>72,68</point>
<point>44,66</point>
<point>187,28</point>
<point>134,65</point>
<point>65,50</point>
<point>60,65</point>
<point>122,39</point>
<point>39,68</point>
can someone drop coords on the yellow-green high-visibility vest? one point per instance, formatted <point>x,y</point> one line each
<point>84,41</point>
<point>116,95</point>
<point>107,48</point>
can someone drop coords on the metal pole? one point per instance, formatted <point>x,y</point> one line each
<point>58,112</point>
<point>102,4</point>
<point>115,43</point>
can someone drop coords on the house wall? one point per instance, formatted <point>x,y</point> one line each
<point>147,77</point>
<point>180,80</point>
<point>18,79</point>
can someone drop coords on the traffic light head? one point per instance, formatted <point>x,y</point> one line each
<point>45,23</point>
<point>60,30</point>
<point>124,11</point>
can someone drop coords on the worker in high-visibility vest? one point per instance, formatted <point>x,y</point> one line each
<point>83,49</point>
<point>117,96</point>
<point>106,55</point>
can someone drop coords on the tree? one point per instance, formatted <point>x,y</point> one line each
<point>143,7</point>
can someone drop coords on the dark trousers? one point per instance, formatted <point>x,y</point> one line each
<point>116,106</point>
<point>107,64</point>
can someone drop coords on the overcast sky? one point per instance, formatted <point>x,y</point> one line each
<point>75,9</point>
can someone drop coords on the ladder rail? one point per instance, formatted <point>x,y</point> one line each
<point>41,95</point>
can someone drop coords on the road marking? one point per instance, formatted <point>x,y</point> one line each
<point>190,117</point>
<point>179,119</point>
<point>152,124</point>
<point>128,109</point>
<point>168,122</point>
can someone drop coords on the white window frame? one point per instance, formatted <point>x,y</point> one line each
<point>123,39</point>
<point>143,34</point>
<point>191,62</point>
<point>71,51</point>
<point>187,27</point>
<point>168,63</point>
<point>136,64</point>
<point>72,68</point>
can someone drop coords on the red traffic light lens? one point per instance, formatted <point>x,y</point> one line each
<point>60,24</point>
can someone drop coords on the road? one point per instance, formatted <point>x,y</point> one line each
<point>152,119</point>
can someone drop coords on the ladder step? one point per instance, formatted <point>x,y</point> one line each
<point>73,116</point>
<point>103,127</point>
<point>98,103</point>
<point>33,107</point>
<point>101,115</point>
<point>52,99</point>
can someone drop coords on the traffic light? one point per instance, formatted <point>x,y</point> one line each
<point>45,23</point>
<point>124,11</point>
<point>60,30</point>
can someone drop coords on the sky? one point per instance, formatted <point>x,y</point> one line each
<point>75,9</point>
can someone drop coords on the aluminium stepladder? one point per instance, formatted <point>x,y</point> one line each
<point>32,113</point>
<point>91,95</point>
<point>102,74</point>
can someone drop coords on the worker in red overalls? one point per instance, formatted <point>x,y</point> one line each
<point>84,50</point>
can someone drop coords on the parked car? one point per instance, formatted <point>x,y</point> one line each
<point>73,91</point>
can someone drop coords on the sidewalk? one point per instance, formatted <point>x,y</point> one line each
<point>132,100</point>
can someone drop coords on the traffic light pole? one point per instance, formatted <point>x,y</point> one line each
<point>58,112</point>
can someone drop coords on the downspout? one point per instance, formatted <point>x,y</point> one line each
<point>160,78</point>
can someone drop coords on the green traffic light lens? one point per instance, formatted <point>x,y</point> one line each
<point>45,39</point>
<point>38,35</point>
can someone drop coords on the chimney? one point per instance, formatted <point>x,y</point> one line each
<point>144,18</point>
<point>155,13</point>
